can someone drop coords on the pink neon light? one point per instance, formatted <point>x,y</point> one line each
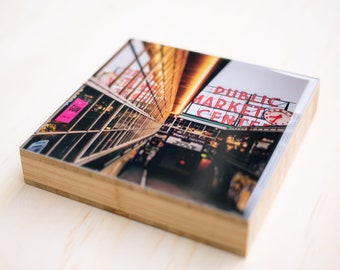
<point>72,111</point>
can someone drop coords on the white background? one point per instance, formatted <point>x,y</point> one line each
<point>49,48</point>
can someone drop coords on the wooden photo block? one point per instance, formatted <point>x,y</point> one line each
<point>195,144</point>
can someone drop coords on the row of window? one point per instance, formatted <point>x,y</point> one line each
<point>182,125</point>
<point>73,147</point>
<point>145,74</point>
<point>92,122</point>
<point>93,125</point>
<point>100,113</point>
<point>68,146</point>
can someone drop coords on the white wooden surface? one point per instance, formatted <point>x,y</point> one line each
<point>48,48</point>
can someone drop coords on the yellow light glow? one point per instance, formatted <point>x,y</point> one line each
<point>204,69</point>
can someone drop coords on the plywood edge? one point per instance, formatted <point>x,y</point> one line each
<point>216,228</point>
<point>271,190</point>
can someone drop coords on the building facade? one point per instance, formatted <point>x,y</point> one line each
<point>123,104</point>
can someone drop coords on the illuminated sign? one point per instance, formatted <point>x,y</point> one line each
<point>234,107</point>
<point>72,111</point>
